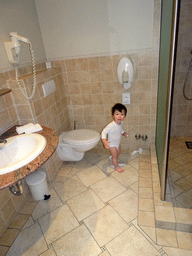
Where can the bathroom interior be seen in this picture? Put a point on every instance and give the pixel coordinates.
(79, 46)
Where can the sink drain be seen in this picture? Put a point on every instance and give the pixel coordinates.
(189, 144)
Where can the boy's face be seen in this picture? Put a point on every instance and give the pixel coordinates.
(119, 116)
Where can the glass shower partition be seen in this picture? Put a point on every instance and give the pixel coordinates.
(168, 32)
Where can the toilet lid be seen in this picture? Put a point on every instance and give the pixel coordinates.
(80, 136)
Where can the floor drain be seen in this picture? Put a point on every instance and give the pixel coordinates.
(189, 144)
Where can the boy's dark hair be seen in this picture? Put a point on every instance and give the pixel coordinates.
(119, 107)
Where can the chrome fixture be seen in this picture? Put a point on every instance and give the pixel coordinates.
(144, 137)
(16, 189)
(137, 136)
(3, 141)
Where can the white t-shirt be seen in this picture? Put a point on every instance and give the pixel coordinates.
(114, 132)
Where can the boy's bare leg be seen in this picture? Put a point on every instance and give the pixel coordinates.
(114, 153)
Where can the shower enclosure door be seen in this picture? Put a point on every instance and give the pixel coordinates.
(169, 14)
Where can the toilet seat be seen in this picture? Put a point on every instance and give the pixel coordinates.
(80, 136)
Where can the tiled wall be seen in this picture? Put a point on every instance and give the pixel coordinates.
(92, 88)
(182, 108)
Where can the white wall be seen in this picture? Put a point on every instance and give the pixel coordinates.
(79, 28)
(20, 16)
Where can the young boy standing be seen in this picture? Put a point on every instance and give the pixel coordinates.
(114, 131)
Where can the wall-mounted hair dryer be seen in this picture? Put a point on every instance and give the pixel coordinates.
(13, 48)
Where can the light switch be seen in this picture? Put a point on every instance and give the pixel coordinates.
(126, 98)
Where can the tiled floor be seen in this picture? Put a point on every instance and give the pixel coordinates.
(180, 173)
(94, 210)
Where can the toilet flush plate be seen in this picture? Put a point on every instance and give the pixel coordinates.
(126, 98)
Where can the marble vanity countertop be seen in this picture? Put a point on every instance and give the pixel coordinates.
(52, 142)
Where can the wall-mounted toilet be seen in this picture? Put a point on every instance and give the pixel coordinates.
(73, 144)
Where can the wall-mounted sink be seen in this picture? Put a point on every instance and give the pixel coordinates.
(20, 150)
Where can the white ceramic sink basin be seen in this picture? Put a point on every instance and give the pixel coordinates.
(19, 151)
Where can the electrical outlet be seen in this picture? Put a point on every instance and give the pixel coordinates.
(126, 98)
(48, 64)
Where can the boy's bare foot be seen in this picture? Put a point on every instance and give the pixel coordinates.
(119, 170)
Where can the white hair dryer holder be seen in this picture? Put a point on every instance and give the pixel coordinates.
(125, 72)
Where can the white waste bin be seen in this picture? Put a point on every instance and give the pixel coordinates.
(38, 185)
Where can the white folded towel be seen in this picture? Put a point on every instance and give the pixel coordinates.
(29, 128)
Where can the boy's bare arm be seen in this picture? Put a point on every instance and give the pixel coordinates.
(105, 143)
(125, 134)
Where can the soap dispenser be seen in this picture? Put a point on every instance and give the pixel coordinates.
(125, 72)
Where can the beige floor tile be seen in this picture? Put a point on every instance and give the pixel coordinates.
(182, 159)
(177, 190)
(150, 232)
(134, 163)
(158, 201)
(105, 166)
(174, 175)
(185, 200)
(105, 225)
(181, 151)
(105, 253)
(184, 184)
(61, 179)
(145, 166)
(153, 159)
(94, 157)
(131, 242)
(34, 244)
(146, 204)
(183, 215)
(46, 206)
(8, 237)
(164, 213)
(29, 223)
(145, 158)
(146, 219)
(172, 155)
(166, 237)
(184, 240)
(145, 174)
(155, 176)
(145, 182)
(85, 204)
(70, 188)
(126, 205)
(77, 242)
(189, 177)
(172, 164)
(187, 156)
(91, 175)
(126, 178)
(108, 188)
(57, 223)
(19, 221)
(156, 187)
(177, 252)
(28, 207)
(189, 192)
(145, 192)
(80, 166)
(135, 187)
(3, 250)
(49, 252)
